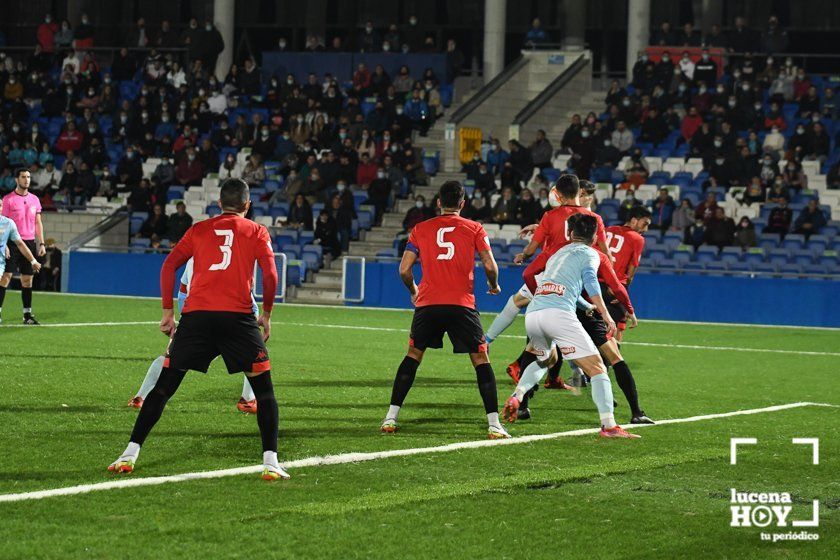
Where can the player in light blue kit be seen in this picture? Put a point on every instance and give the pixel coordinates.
(247, 402)
(551, 323)
(9, 232)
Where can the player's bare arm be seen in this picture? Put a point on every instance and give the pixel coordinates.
(407, 274)
(265, 324)
(631, 272)
(491, 269)
(39, 236)
(36, 266)
(527, 253)
(528, 230)
(167, 322)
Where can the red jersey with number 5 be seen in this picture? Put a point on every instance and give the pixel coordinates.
(446, 246)
(626, 246)
(224, 250)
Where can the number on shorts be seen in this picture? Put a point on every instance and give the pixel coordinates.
(225, 247)
(619, 242)
(448, 245)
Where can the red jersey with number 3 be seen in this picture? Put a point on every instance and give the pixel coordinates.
(224, 250)
(626, 246)
(446, 246)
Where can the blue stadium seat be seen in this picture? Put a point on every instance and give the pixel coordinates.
(731, 254)
(778, 256)
(764, 267)
(802, 256)
(306, 237)
(815, 269)
(694, 266)
(768, 241)
(754, 255)
(817, 244)
(739, 267)
(793, 241)
(717, 267)
(365, 219)
(294, 273)
(312, 261)
(790, 268)
(175, 193)
(705, 253)
(291, 251)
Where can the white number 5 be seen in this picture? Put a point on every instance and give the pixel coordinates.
(225, 248)
(448, 245)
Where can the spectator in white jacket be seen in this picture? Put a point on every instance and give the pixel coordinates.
(622, 138)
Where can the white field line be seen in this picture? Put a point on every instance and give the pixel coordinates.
(403, 310)
(281, 323)
(345, 458)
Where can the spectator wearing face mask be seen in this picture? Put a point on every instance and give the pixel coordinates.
(343, 212)
(418, 213)
(777, 193)
(476, 208)
(745, 234)
(506, 208)
(774, 142)
(485, 181)
(753, 193)
(662, 209)
(326, 234)
(794, 177)
(379, 194)
(190, 170)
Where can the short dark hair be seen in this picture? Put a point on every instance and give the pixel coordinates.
(567, 185)
(587, 186)
(234, 194)
(638, 212)
(20, 170)
(451, 194)
(583, 226)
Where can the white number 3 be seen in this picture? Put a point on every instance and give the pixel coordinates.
(225, 248)
(448, 245)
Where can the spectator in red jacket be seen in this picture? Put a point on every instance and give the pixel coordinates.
(366, 172)
(775, 118)
(690, 123)
(70, 139)
(46, 33)
(361, 79)
(190, 171)
(706, 209)
(187, 134)
(801, 83)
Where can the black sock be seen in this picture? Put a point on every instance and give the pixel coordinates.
(554, 371)
(26, 296)
(155, 402)
(2, 295)
(628, 386)
(487, 387)
(404, 380)
(526, 359)
(268, 417)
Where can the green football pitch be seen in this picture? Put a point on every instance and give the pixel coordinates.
(64, 419)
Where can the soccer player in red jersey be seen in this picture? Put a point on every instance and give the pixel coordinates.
(218, 318)
(626, 244)
(445, 303)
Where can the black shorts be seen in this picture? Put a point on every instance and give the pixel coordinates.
(617, 311)
(17, 262)
(462, 324)
(594, 326)
(203, 335)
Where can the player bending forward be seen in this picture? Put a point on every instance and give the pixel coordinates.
(247, 402)
(445, 302)
(551, 323)
(217, 319)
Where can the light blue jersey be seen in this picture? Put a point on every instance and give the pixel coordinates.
(568, 272)
(8, 232)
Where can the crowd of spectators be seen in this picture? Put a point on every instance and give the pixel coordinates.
(86, 130)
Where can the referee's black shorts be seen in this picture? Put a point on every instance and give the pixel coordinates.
(18, 262)
(594, 326)
(462, 324)
(203, 335)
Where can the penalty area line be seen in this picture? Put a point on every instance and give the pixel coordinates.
(345, 458)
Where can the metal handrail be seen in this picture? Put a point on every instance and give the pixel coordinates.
(489, 88)
(550, 90)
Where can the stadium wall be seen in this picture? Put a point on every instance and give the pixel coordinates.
(720, 299)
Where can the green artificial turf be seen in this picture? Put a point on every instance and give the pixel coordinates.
(64, 419)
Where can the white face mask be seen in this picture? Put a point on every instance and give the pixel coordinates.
(341, 187)
(419, 204)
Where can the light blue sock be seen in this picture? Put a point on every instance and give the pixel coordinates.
(151, 378)
(503, 320)
(247, 391)
(602, 395)
(530, 377)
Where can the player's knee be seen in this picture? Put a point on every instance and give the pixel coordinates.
(415, 354)
(479, 358)
(262, 386)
